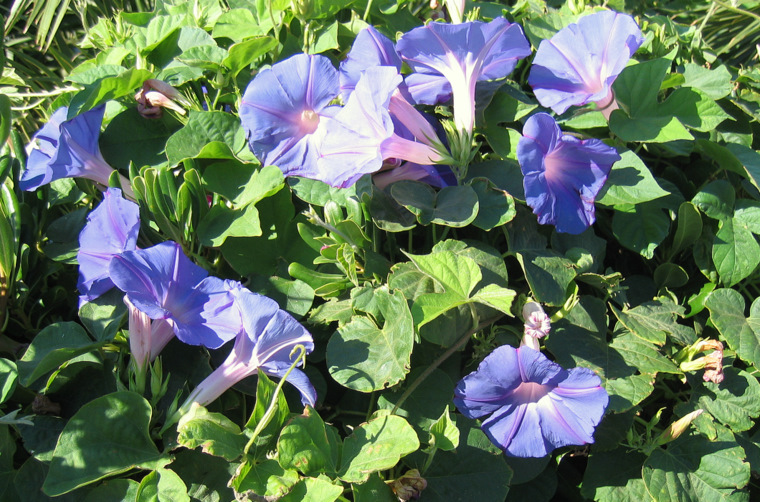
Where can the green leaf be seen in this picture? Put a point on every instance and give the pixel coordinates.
(207, 135)
(114, 490)
(496, 207)
(641, 117)
(496, 297)
(309, 445)
(318, 193)
(53, 346)
(239, 24)
(716, 200)
(365, 357)
(747, 214)
(749, 160)
(726, 308)
(162, 485)
(451, 206)
(8, 379)
(424, 406)
(444, 434)
(655, 321)
(735, 252)
(376, 446)
(457, 274)
(614, 476)
(549, 275)
(107, 89)
(642, 229)
(213, 432)
(106, 436)
(714, 82)
(313, 490)
(264, 394)
(630, 182)
(734, 402)
(222, 222)
(242, 54)
(373, 490)
(688, 228)
(266, 479)
(694, 469)
(627, 392)
(5, 118)
(642, 355)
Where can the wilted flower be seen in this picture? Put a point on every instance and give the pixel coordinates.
(111, 229)
(266, 341)
(530, 405)
(164, 284)
(562, 174)
(409, 486)
(712, 362)
(156, 95)
(449, 59)
(581, 61)
(282, 108)
(68, 149)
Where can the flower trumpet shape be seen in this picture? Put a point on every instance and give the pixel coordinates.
(282, 108)
(452, 58)
(581, 61)
(530, 405)
(68, 149)
(164, 284)
(268, 337)
(111, 229)
(562, 174)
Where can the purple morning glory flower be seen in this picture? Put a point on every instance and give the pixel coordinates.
(68, 149)
(111, 229)
(146, 337)
(282, 108)
(562, 174)
(460, 55)
(361, 135)
(164, 284)
(370, 48)
(266, 341)
(581, 61)
(529, 405)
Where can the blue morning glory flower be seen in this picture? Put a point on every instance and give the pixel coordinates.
(361, 135)
(581, 61)
(111, 229)
(282, 108)
(164, 284)
(266, 341)
(370, 48)
(68, 149)
(460, 55)
(529, 405)
(562, 174)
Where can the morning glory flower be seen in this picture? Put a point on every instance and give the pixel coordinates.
(537, 324)
(164, 284)
(68, 149)
(562, 174)
(282, 108)
(581, 61)
(111, 229)
(529, 405)
(361, 135)
(460, 55)
(266, 341)
(370, 48)
(146, 339)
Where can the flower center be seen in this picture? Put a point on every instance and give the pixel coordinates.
(309, 121)
(531, 392)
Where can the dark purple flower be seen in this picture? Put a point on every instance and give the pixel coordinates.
(460, 55)
(562, 174)
(529, 405)
(581, 61)
(164, 284)
(370, 48)
(68, 149)
(282, 108)
(266, 341)
(111, 229)
(361, 135)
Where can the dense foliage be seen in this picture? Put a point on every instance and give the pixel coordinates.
(494, 326)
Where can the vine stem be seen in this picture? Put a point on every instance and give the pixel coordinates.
(454, 348)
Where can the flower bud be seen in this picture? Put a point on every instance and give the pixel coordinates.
(156, 95)
(678, 427)
(409, 486)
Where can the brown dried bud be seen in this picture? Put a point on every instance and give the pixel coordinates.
(409, 486)
(42, 405)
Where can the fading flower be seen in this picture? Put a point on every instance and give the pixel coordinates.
(111, 229)
(712, 363)
(266, 341)
(68, 149)
(562, 174)
(581, 61)
(409, 486)
(164, 284)
(449, 59)
(529, 405)
(537, 324)
(156, 95)
(282, 108)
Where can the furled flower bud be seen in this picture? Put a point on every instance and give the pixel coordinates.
(678, 427)
(537, 324)
(156, 95)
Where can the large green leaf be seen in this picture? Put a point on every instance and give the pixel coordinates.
(642, 228)
(364, 356)
(615, 476)
(630, 182)
(735, 252)
(309, 445)
(549, 275)
(162, 485)
(213, 432)
(451, 206)
(207, 135)
(655, 321)
(734, 402)
(106, 436)
(726, 308)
